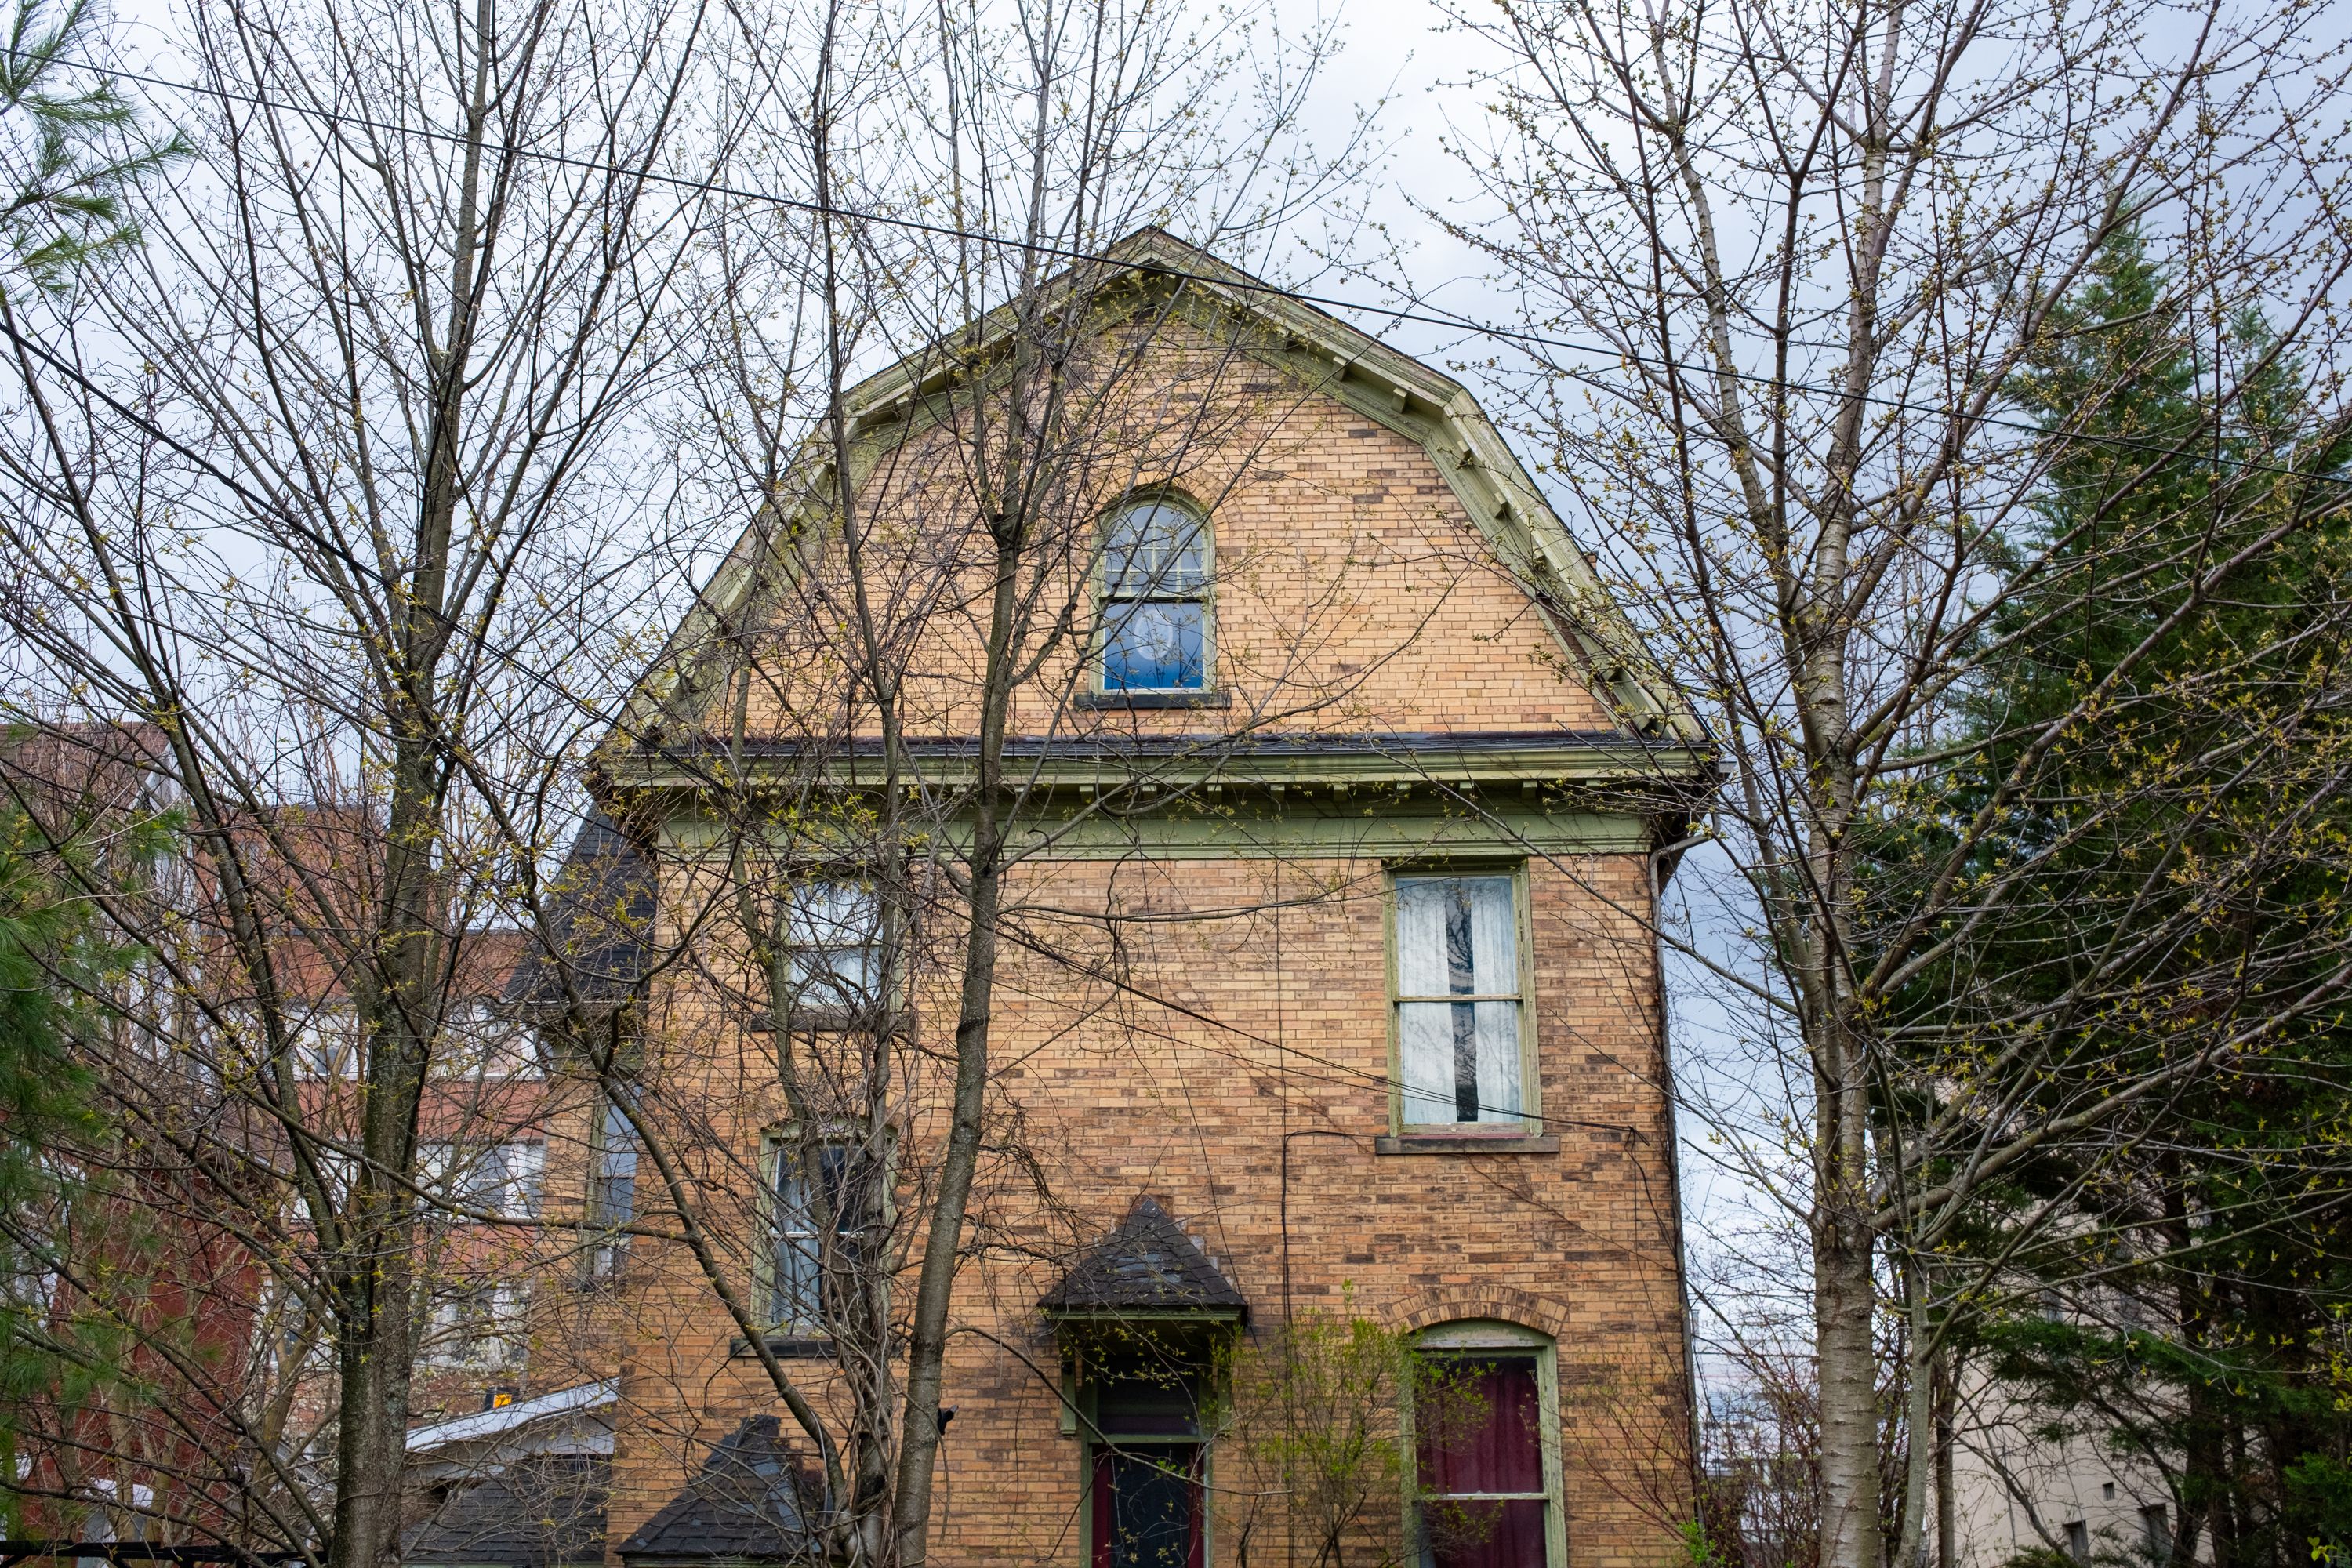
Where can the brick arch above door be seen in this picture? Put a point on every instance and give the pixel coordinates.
(1450, 1303)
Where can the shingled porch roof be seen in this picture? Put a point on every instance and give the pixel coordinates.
(747, 1506)
(1147, 1266)
(544, 1512)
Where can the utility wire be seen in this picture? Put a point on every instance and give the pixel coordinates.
(1240, 283)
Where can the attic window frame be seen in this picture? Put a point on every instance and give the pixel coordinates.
(1109, 595)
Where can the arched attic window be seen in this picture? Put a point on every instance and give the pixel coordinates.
(1156, 626)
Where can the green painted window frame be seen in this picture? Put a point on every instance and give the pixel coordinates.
(1078, 1416)
(1530, 1078)
(1209, 687)
(1469, 1337)
(775, 1143)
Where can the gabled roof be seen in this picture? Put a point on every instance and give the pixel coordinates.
(747, 1505)
(537, 1514)
(1326, 353)
(1147, 1265)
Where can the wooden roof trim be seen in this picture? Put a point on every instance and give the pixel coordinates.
(1381, 383)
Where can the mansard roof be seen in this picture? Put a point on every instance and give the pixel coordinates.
(1376, 381)
(601, 906)
(1147, 1265)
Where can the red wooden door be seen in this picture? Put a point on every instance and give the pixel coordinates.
(1482, 1479)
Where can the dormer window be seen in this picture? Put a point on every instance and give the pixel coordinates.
(1155, 599)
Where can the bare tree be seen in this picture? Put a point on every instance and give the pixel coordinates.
(1786, 266)
(348, 486)
(855, 709)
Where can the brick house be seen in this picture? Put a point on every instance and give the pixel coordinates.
(1336, 995)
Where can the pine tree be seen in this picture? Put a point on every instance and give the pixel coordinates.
(2202, 1250)
(72, 146)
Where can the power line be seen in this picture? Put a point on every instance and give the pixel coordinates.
(1240, 283)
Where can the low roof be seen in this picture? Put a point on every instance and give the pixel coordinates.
(747, 1505)
(537, 1513)
(1147, 1265)
(507, 1418)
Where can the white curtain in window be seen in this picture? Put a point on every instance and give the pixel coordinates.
(1425, 1057)
(1494, 954)
(794, 1289)
(835, 930)
(1424, 1030)
(525, 1179)
(1499, 1061)
(1457, 936)
(1421, 908)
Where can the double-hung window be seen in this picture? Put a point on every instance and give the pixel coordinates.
(834, 933)
(479, 1326)
(506, 1179)
(480, 1040)
(612, 1191)
(503, 1179)
(326, 1040)
(1155, 600)
(1460, 996)
(819, 1206)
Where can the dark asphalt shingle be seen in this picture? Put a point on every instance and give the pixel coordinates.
(1147, 1264)
(600, 905)
(544, 1513)
(748, 1503)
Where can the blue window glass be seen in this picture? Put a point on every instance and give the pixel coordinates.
(1154, 646)
(1155, 606)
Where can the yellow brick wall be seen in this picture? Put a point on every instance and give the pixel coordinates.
(1249, 1002)
(1353, 591)
(1237, 1030)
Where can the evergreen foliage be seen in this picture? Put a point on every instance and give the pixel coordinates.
(70, 145)
(2188, 1307)
(56, 968)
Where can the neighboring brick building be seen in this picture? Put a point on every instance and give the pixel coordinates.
(183, 1257)
(1349, 1005)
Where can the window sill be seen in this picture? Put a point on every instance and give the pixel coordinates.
(783, 1347)
(834, 1021)
(1469, 1144)
(1117, 699)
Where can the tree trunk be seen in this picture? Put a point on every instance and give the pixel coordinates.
(1920, 1450)
(1946, 1522)
(398, 1006)
(1848, 1360)
(926, 1341)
